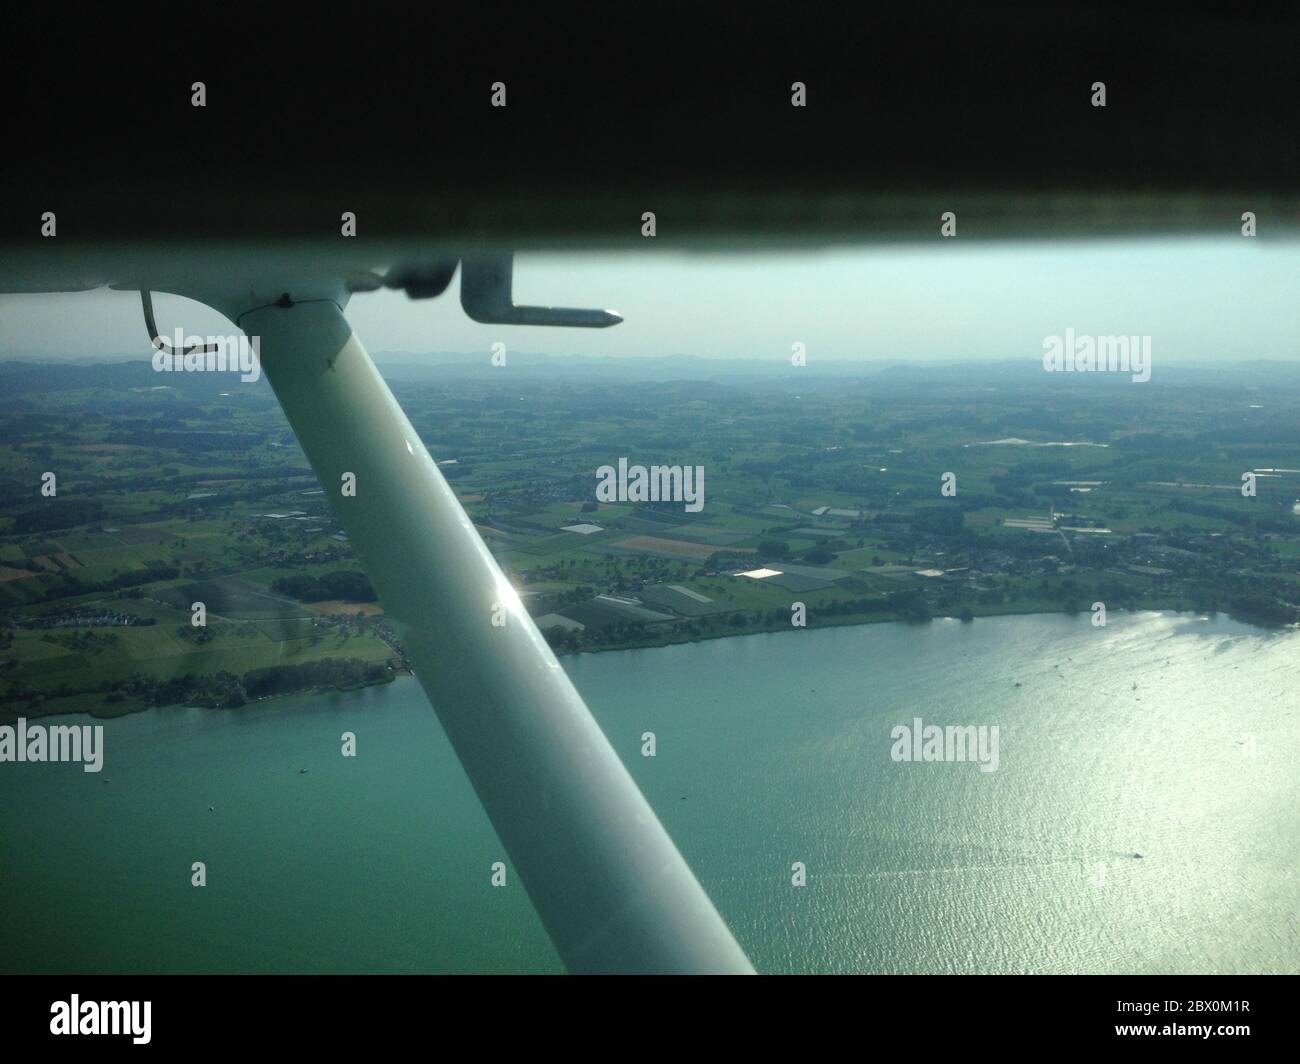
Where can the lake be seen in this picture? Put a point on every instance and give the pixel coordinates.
(1173, 736)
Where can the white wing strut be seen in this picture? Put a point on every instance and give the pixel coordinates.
(610, 886)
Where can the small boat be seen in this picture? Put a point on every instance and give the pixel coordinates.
(302, 772)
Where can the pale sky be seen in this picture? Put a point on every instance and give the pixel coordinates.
(1199, 300)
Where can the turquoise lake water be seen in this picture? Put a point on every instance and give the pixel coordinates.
(771, 749)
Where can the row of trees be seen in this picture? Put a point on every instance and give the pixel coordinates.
(223, 690)
(909, 604)
(346, 585)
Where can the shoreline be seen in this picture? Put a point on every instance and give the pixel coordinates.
(853, 621)
(648, 644)
(7, 718)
